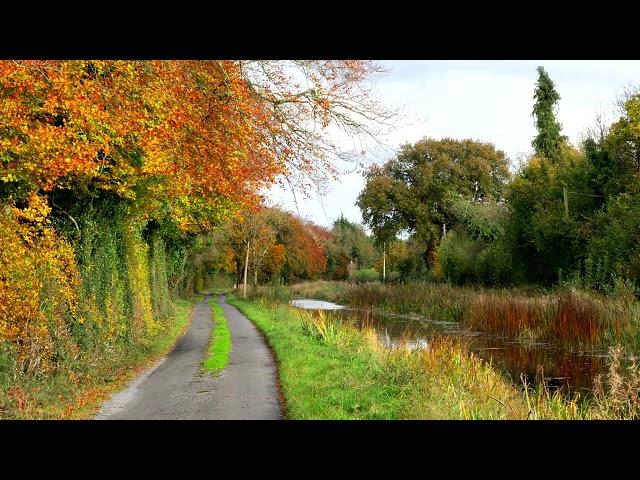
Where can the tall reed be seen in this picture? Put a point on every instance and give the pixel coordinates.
(564, 316)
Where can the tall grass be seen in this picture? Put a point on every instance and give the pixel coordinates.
(565, 316)
(617, 393)
(78, 393)
(331, 370)
(321, 327)
(504, 315)
(438, 301)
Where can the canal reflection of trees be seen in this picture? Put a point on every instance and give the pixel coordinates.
(558, 368)
(571, 371)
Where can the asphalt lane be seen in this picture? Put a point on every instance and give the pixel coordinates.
(176, 388)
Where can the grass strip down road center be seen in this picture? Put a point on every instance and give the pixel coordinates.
(220, 345)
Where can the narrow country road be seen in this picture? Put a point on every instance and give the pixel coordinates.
(177, 389)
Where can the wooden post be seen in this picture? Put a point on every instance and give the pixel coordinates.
(384, 261)
(566, 201)
(246, 267)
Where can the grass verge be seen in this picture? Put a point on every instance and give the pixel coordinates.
(330, 370)
(220, 346)
(78, 393)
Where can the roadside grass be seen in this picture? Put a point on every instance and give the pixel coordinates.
(77, 391)
(220, 346)
(330, 370)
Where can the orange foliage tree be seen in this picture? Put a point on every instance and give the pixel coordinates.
(280, 244)
(304, 244)
(190, 133)
(181, 135)
(187, 143)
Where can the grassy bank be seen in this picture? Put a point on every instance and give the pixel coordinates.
(220, 346)
(332, 371)
(78, 391)
(564, 316)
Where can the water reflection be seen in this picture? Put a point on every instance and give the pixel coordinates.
(562, 368)
(308, 304)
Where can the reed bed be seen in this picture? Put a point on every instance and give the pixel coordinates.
(508, 316)
(564, 316)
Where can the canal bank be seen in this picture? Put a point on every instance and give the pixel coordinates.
(333, 370)
(569, 370)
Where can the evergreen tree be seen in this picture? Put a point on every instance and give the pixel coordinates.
(548, 140)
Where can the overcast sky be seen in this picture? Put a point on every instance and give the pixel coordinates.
(489, 101)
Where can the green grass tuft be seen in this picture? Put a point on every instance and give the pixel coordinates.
(220, 346)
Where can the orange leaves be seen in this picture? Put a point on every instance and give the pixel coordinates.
(16, 394)
(305, 252)
(80, 121)
(274, 259)
(37, 210)
(211, 129)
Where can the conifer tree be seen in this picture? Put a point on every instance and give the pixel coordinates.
(548, 140)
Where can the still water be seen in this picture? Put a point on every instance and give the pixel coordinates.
(571, 370)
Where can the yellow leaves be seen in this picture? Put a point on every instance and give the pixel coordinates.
(37, 210)
(37, 279)
(198, 127)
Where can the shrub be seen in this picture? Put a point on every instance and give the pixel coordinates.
(617, 393)
(278, 293)
(321, 327)
(38, 280)
(366, 275)
(494, 266)
(392, 277)
(456, 256)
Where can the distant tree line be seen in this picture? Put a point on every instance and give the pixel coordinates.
(451, 210)
(569, 214)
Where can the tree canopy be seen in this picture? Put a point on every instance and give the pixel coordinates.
(413, 192)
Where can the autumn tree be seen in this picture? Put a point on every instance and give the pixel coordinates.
(130, 162)
(273, 262)
(323, 113)
(304, 242)
(279, 244)
(267, 225)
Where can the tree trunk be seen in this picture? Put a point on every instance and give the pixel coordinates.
(246, 267)
(255, 278)
(238, 273)
(384, 262)
(429, 255)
